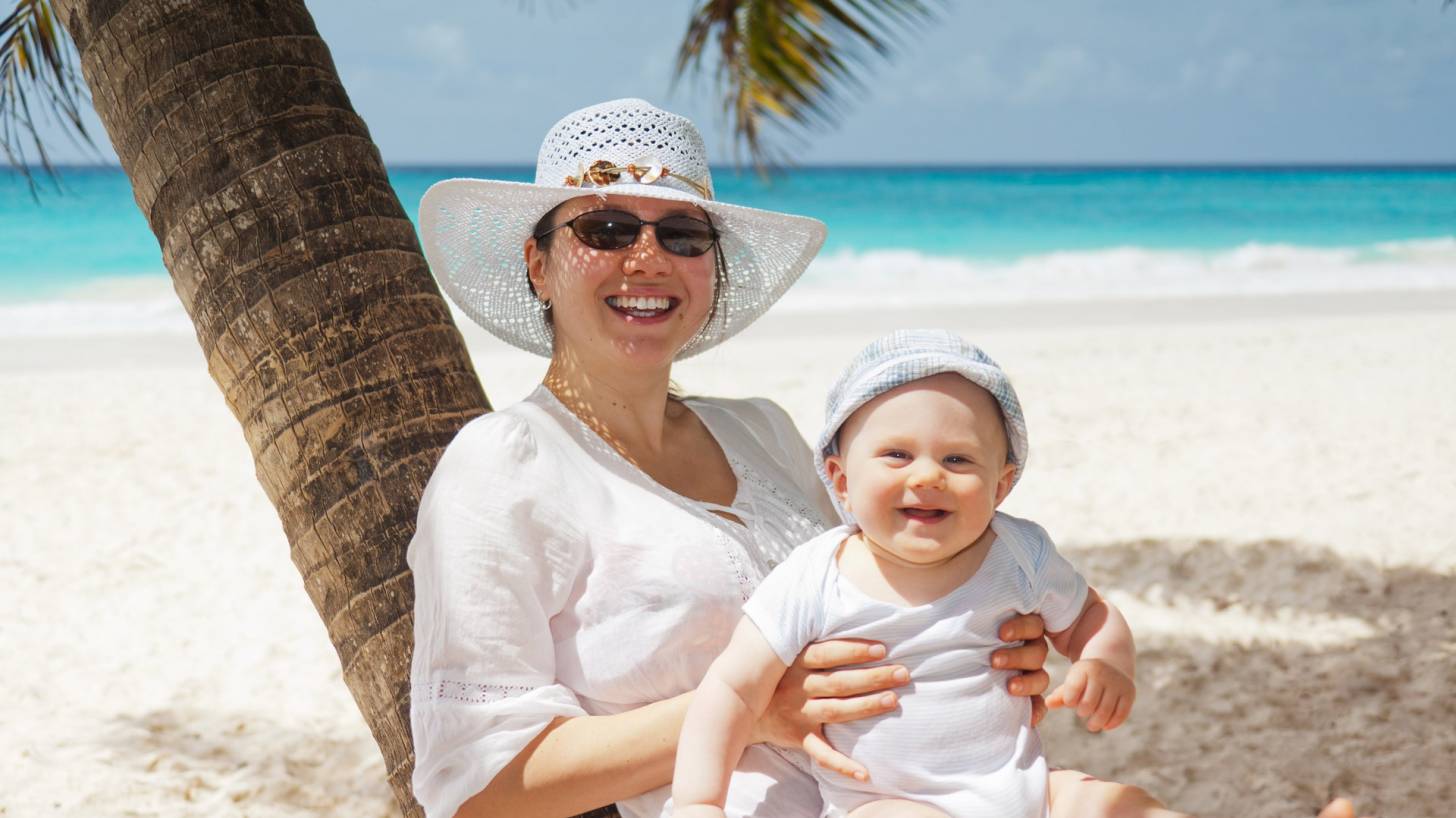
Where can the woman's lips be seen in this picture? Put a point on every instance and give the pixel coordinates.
(643, 309)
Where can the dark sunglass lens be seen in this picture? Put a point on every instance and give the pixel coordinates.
(685, 235)
(607, 229)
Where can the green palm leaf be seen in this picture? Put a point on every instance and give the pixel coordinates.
(37, 60)
(795, 64)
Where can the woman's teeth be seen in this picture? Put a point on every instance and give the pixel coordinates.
(641, 306)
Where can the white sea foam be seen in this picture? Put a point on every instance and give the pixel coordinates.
(907, 278)
(132, 305)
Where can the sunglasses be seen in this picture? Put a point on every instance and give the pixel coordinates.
(618, 229)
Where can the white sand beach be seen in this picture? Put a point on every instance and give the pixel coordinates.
(1266, 486)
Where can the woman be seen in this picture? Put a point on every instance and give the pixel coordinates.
(581, 557)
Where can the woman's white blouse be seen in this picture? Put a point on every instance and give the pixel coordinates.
(554, 578)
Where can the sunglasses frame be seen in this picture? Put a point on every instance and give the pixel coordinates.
(571, 222)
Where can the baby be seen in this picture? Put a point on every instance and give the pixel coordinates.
(924, 438)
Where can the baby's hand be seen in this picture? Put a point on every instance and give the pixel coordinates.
(1101, 693)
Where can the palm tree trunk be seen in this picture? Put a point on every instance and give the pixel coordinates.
(315, 310)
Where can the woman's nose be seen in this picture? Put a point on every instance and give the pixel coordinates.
(645, 256)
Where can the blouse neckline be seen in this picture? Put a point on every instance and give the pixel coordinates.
(740, 485)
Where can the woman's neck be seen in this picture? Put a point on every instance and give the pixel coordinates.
(627, 409)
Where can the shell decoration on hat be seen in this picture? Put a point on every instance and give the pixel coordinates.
(603, 172)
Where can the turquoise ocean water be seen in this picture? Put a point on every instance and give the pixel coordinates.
(913, 233)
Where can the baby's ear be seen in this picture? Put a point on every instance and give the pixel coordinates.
(1003, 486)
(838, 480)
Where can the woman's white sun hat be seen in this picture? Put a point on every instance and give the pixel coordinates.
(474, 230)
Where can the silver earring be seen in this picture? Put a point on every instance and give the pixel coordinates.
(545, 304)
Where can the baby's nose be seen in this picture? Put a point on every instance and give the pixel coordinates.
(926, 473)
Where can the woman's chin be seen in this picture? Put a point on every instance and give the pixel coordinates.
(648, 352)
(651, 344)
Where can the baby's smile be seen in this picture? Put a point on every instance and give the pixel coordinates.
(924, 514)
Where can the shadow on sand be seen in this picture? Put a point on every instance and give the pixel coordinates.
(1242, 725)
(1275, 722)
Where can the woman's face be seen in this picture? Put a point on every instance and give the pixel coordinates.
(634, 307)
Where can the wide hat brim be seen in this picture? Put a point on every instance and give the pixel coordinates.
(474, 232)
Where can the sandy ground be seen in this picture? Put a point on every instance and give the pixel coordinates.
(1266, 487)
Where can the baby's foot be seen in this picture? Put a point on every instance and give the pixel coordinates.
(1338, 808)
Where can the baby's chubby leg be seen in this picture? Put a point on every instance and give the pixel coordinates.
(896, 808)
(1077, 795)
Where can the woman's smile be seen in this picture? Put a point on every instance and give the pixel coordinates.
(643, 309)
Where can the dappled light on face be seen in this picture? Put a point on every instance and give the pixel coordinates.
(582, 282)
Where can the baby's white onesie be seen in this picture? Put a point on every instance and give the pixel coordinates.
(958, 740)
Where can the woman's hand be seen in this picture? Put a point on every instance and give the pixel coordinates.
(812, 694)
(1028, 658)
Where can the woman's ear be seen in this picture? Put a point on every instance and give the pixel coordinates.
(838, 479)
(536, 268)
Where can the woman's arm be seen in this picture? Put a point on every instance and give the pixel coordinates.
(577, 764)
(582, 763)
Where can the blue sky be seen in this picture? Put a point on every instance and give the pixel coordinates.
(991, 81)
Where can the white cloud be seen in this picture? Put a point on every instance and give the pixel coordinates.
(1069, 73)
(1232, 69)
(440, 44)
(1061, 72)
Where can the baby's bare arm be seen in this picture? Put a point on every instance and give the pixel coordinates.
(719, 722)
(1100, 682)
(1099, 632)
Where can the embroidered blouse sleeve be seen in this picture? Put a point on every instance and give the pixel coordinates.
(492, 563)
(797, 457)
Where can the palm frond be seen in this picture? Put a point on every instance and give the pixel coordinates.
(794, 64)
(37, 60)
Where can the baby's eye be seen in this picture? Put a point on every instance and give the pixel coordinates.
(896, 454)
(958, 460)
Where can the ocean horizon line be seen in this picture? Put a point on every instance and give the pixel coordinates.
(731, 167)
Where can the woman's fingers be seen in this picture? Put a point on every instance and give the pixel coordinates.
(841, 683)
(838, 652)
(1030, 684)
(1038, 710)
(1030, 656)
(1023, 628)
(830, 758)
(835, 711)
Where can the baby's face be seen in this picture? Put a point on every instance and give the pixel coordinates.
(923, 467)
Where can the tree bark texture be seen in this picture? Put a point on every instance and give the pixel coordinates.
(312, 302)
